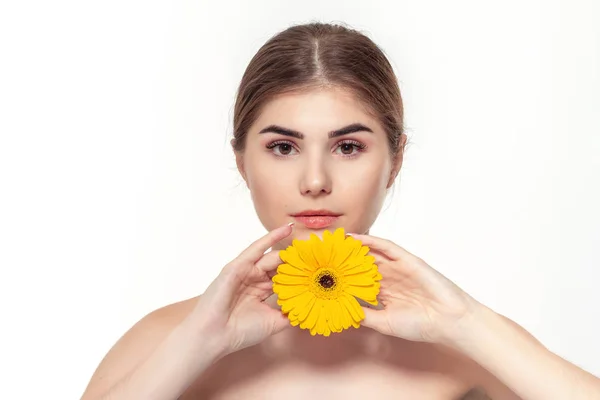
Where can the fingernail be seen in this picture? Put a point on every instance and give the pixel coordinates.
(349, 234)
(291, 224)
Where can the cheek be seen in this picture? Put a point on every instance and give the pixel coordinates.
(366, 181)
(270, 188)
(364, 189)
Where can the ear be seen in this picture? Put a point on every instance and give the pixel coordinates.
(397, 162)
(239, 161)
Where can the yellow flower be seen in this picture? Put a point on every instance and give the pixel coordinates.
(319, 281)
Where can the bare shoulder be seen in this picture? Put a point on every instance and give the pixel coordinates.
(484, 385)
(481, 384)
(135, 345)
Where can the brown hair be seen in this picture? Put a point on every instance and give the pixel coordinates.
(314, 55)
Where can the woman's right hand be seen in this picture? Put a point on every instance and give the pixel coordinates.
(232, 311)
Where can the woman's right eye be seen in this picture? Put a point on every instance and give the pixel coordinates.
(281, 149)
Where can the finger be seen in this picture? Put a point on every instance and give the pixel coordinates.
(256, 250)
(271, 273)
(269, 262)
(380, 258)
(376, 319)
(279, 321)
(384, 246)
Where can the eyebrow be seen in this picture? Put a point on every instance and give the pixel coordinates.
(356, 127)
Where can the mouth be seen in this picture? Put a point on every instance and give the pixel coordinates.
(316, 219)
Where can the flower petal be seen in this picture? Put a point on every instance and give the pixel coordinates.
(294, 304)
(322, 320)
(290, 279)
(368, 294)
(359, 268)
(291, 270)
(285, 292)
(313, 316)
(353, 307)
(305, 253)
(342, 252)
(363, 251)
(355, 258)
(345, 315)
(364, 279)
(304, 311)
(328, 311)
(328, 247)
(336, 316)
(339, 236)
(292, 257)
(318, 251)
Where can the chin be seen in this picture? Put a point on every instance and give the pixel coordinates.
(302, 232)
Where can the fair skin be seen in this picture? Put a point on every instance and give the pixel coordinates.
(431, 340)
(317, 172)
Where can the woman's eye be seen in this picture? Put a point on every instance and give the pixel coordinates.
(350, 148)
(285, 148)
(347, 148)
(281, 148)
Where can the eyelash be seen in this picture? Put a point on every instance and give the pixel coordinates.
(360, 147)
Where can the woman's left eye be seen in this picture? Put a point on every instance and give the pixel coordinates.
(349, 148)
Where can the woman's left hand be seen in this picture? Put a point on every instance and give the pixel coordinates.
(419, 303)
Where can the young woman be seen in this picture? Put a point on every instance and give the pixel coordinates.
(319, 140)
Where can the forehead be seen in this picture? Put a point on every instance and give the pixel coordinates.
(315, 110)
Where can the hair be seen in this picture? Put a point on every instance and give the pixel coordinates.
(320, 55)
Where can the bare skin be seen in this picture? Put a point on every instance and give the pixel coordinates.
(179, 348)
(358, 363)
(292, 364)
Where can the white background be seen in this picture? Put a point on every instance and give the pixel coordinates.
(119, 192)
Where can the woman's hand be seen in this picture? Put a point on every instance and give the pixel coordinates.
(232, 311)
(419, 303)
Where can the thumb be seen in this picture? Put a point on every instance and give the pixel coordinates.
(376, 319)
(278, 321)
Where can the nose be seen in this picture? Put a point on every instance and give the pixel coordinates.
(316, 179)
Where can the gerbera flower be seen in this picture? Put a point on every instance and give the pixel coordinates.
(319, 282)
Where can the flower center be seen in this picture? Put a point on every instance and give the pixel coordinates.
(326, 281)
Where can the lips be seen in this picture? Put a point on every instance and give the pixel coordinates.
(316, 219)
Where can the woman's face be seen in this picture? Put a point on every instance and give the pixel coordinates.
(296, 163)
